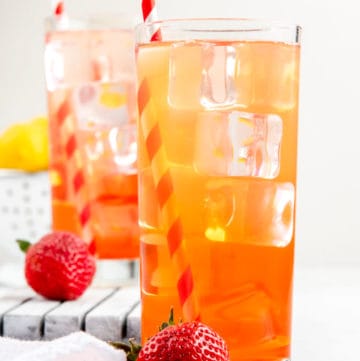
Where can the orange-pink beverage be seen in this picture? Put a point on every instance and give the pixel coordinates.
(90, 76)
(228, 114)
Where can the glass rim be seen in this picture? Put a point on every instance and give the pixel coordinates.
(219, 25)
(91, 21)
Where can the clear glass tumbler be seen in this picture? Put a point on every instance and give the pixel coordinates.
(90, 78)
(217, 153)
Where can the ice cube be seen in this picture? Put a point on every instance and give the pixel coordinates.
(238, 143)
(267, 76)
(242, 210)
(122, 141)
(97, 105)
(219, 206)
(110, 149)
(54, 66)
(185, 68)
(201, 74)
(269, 213)
(112, 55)
(218, 86)
(67, 60)
(106, 134)
(286, 98)
(248, 306)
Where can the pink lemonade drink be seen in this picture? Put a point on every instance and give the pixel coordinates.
(90, 76)
(224, 96)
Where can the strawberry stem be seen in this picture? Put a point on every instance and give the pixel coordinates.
(170, 322)
(23, 245)
(171, 317)
(131, 349)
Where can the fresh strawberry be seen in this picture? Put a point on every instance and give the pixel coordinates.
(185, 342)
(59, 266)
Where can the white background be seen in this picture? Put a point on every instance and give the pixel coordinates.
(329, 144)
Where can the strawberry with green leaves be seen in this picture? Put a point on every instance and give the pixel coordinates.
(189, 341)
(59, 266)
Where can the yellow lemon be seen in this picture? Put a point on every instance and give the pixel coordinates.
(8, 146)
(25, 146)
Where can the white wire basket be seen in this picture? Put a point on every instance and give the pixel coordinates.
(25, 213)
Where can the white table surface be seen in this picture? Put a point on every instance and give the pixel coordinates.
(326, 318)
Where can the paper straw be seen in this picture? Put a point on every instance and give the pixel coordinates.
(66, 124)
(57, 7)
(150, 15)
(165, 192)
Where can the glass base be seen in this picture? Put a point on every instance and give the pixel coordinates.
(116, 273)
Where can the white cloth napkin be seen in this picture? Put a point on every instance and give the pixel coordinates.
(77, 346)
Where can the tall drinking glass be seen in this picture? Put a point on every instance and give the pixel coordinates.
(217, 151)
(90, 78)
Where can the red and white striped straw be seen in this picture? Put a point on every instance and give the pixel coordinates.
(75, 175)
(150, 15)
(57, 7)
(164, 187)
(76, 181)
